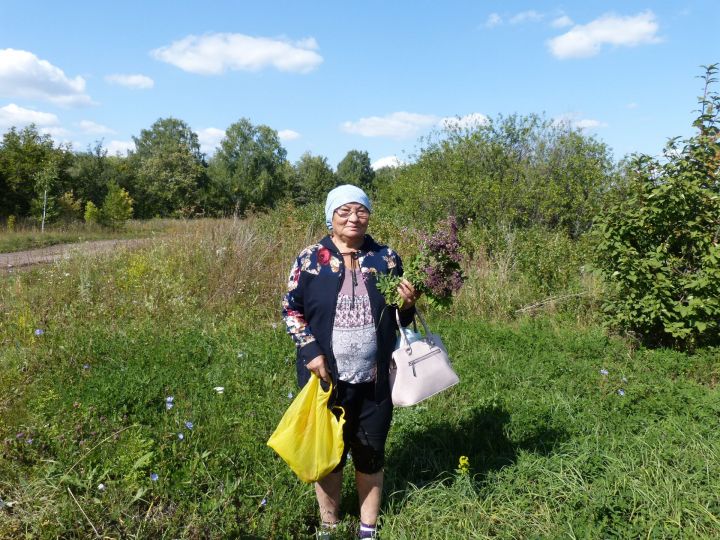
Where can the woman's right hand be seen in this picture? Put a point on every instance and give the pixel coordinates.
(319, 367)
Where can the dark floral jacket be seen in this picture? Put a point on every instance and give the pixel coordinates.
(309, 305)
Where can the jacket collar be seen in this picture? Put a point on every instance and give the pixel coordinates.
(369, 244)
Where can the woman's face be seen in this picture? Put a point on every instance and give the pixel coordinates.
(350, 222)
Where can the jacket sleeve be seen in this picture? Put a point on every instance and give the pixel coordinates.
(294, 316)
(407, 316)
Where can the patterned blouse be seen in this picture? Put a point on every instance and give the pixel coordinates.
(354, 341)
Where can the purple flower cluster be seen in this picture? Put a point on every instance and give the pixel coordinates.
(441, 254)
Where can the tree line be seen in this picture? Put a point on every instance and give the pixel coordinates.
(167, 174)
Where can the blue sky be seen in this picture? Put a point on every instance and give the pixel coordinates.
(332, 76)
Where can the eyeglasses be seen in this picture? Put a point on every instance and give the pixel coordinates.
(345, 213)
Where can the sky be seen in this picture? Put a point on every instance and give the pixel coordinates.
(333, 76)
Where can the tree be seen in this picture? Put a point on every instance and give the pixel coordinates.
(659, 247)
(520, 171)
(117, 207)
(313, 179)
(169, 170)
(91, 172)
(248, 169)
(24, 154)
(355, 169)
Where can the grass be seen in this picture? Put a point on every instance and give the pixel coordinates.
(28, 236)
(554, 450)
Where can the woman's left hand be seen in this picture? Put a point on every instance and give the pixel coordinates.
(408, 294)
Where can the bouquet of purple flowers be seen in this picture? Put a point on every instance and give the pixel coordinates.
(434, 271)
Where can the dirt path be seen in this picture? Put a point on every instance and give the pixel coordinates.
(26, 259)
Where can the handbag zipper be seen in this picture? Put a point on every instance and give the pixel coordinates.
(412, 363)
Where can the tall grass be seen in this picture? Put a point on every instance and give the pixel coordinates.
(554, 449)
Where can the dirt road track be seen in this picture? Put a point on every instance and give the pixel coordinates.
(30, 258)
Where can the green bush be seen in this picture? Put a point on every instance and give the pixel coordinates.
(659, 248)
(117, 207)
(523, 171)
(92, 213)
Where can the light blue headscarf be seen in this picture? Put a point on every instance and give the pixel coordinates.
(342, 195)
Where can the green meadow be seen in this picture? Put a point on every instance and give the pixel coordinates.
(138, 388)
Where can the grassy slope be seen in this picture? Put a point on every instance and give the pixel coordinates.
(554, 450)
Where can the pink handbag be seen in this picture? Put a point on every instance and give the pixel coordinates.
(419, 369)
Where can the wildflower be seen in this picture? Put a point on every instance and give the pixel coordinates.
(169, 402)
(621, 392)
(263, 502)
(181, 436)
(20, 435)
(101, 487)
(154, 477)
(603, 371)
(188, 424)
(434, 271)
(290, 395)
(219, 389)
(39, 331)
(86, 366)
(241, 354)
(29, 441)
(464, 465)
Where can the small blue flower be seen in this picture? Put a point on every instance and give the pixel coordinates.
(621, 392)
(189, 424)
(181, 436)
(263, 502)
(603, 371)
(154, 477)
(86, 366)
(168, 405)
(29, 441)
(290, 395)
(39, 331)
(169, 399)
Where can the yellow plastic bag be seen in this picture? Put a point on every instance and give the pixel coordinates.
(309, 436)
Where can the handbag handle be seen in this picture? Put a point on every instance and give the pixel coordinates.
(403, 339)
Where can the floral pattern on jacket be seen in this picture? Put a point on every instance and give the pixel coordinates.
(315, 260)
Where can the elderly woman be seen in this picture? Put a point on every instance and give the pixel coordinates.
(345, 333)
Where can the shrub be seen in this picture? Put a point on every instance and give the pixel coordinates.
(68, 207)
(11, 223)
(92, 213)
(659, 248)
(117, 207)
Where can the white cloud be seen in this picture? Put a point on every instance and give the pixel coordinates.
(526, 16)
(288, 135)
(586, 40)
(572, 120)
(56, 132)
(136, 81)
(397, 125)
(387, 161)
(561, 22)
(13, 115)
(209, 139)
(88, 126)
(493, 20)
(588, 123)
(468, 121)
(120, 147)
(213, 54)
(22, 74)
